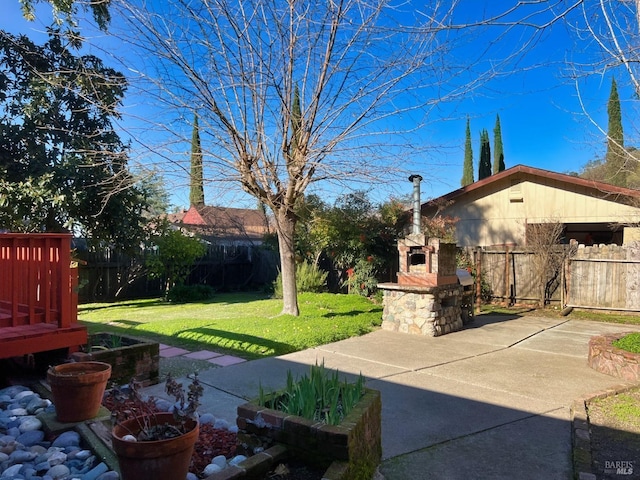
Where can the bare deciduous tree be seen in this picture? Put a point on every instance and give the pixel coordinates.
(548, 256)
(289, 93)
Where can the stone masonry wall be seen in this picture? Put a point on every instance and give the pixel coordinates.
(606, 358)
(430, 311)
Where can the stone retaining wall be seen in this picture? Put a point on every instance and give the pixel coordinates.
(606, 358)
(430, 311)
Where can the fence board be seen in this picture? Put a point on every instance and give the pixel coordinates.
(601, 277)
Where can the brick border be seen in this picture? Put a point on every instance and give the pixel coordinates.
(581, 431)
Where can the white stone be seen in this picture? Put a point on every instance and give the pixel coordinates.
(211, 469)
(57, 458)
(22, 394)
(237, 459)
(30, 423)
(129, 438)
(58, 472)
(12, 471)
(220, 460)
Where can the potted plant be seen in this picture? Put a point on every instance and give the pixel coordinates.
(77, 389)
(157, 445)
(325, 421)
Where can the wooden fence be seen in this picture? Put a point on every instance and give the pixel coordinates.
(604, 277)
(599, 277)
(106, 276)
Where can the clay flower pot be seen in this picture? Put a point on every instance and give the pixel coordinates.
(77, 389)
(166, 459)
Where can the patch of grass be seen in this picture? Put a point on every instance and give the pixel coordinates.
(556, 311)
(622, 407)
(247, 325)
(630, 343)
(609, 317)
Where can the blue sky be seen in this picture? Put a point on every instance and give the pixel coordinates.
(543, 123)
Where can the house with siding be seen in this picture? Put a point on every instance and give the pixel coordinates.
(496, 210)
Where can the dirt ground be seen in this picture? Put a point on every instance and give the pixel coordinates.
(615, 436)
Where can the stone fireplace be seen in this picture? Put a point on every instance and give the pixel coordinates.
(427, 298)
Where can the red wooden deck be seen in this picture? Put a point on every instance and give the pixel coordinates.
(38, 297)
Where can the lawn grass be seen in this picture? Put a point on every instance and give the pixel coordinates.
(248, 325)
(556, 312)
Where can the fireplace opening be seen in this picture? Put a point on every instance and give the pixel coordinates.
(417, 259)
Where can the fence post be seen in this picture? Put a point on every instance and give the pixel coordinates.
(478, 280)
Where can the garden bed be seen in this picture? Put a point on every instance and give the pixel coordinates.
(351, 449)
(606, 358)
(130, 358)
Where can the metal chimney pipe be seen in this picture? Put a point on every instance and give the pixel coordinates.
(417, 214)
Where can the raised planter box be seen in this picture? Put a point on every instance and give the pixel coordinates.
(355, 445)
(130, 358)
(606, 358)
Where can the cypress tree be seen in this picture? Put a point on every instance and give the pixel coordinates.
(467, 169)
(196, 194)
(615, 156)
(498, 153)
(484, 166)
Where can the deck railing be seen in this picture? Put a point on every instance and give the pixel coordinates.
(37, 283)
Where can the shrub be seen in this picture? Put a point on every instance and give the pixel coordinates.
(362, 279)
(309, 278)
(190, 293)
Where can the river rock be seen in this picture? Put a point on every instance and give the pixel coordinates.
(30, 438)
(21, 456)
(29, 423)
(12, 471)
(206, 419)
(58, 472)
(20, 395)
(56, 458)
(111, 475)
(67, 439)
(211, 469)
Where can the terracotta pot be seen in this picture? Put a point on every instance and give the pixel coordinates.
(160, 459)
(78, 389)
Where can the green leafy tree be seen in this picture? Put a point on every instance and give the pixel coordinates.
(58, 148)
(65, 11)
(615, 157)
(467, 172)
(358, 237)
(498, 151)
(174, 257)
(196, 194)
(484, 166)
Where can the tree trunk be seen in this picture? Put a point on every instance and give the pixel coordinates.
(286, 224)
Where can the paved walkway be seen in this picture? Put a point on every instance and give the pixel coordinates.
(489, 402)
(216, 358)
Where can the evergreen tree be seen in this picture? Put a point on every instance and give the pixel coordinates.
(498, 153)
(484, 166)
(615, 156)
(196, 194)
(467, 171)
